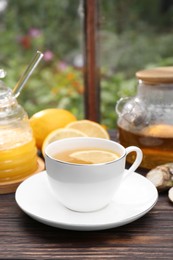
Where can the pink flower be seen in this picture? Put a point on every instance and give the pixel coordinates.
(48, 55)
(34, 32)
(62, 66)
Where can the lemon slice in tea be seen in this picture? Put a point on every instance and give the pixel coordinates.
(94, 156)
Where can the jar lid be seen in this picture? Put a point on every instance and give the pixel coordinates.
(156, 75)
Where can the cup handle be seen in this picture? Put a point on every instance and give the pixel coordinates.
(137, 161)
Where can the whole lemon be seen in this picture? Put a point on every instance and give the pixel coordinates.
(48, 120)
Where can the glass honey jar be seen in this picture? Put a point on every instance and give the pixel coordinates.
(18, 153)
(146, 120)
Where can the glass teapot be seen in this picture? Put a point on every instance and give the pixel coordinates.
(18, 153)
(146, 120)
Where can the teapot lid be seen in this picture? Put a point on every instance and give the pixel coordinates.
(156, 75)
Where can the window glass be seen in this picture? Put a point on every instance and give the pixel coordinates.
(133, 35)
(53, 27)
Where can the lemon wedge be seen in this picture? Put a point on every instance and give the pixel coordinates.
(59, 134)
(89, 128)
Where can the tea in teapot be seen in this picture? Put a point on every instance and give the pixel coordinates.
(146, 120)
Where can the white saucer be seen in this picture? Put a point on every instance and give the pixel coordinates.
(136, 197)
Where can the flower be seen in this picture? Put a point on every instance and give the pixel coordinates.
(25, 41)
(61, 66)
(70, 76)
(34, 32)
(48, 55)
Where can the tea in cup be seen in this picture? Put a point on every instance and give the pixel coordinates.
(84, 173)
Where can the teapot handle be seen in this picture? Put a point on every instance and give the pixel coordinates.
(134, 111)
(121, 103)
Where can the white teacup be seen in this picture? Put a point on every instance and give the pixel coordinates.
(87, 187)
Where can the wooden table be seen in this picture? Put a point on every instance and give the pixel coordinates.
(150, 237)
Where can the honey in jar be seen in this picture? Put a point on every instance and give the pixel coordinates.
(18, 153)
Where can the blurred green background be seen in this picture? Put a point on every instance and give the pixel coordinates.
(133, 35)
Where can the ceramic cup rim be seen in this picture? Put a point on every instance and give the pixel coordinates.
(72, 139)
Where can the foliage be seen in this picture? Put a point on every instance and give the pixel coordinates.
(55, 20)
(120, 87)
(59, 85)
(141, 16)
(43, 25)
